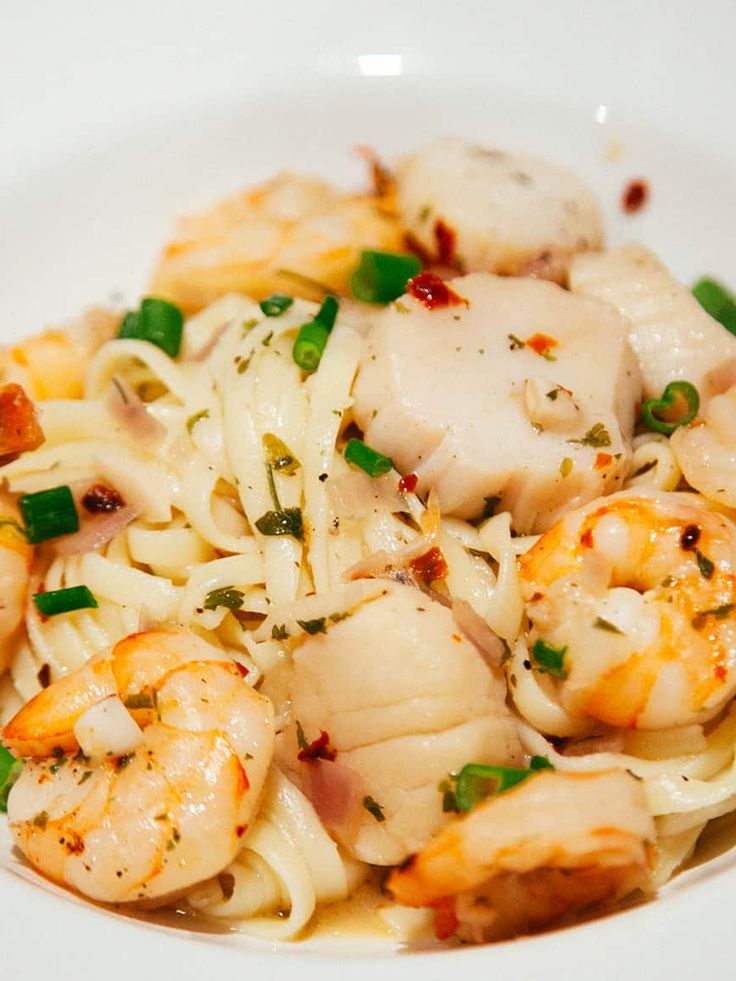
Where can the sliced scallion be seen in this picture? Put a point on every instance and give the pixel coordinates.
(375, 464)
(549, 660)
(275, 305)
(382, 276)
(678, 404)
(49, 514)
(156, 321)
(476, 781)
(64, 600)
(719, 302)
(10, 769)
(311, 340)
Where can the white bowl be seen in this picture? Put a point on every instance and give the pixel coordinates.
(118, 117)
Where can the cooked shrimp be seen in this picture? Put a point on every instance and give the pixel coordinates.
(160, 793)
(555, 845)
(255, 242)
(487, 210)
(632, 601)
(52, 365)
(706, 450)
(16, 557)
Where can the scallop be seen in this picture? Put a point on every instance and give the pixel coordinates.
(518, 392)
(491, 210)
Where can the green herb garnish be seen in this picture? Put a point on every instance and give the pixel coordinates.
(156, 321)
(49, 514)
(311, 340)
(677, 407)
(549, 660)
(225, 596)
(477, 781)
(375, 464)
(278, 455)
(194, 419)
(317, 626)
(382, 276)
(64, 601)
(10, 769)
(275, 305)
(374, 808)
(596, 436)
(287, 521)
(718, 301)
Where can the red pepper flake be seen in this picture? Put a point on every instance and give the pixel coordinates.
(445, 918)
(431, 566)
(720, 672)
(541, 344)
(586, 539)
(408, 484)
(100, 499)
(446, 238)
(635, 196)
(241, 829)
(318, 749)
(413, 245)
(433, 292)
(19, 427)
(242, 669)
(536, 597)
(602, 460)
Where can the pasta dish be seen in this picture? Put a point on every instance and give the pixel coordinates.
(384, 554)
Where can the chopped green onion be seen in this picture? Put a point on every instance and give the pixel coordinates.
(672, 397)
(375, 464)
(287, 521)
(382, 276)
(274, 306)
(10, 769)
(49, 514)
(311, 340)
(309, 345)
(476, 781)
(327, 313)
(719, 302)
(549, 660)
(156, 321)
(64, 601)
(226, 596)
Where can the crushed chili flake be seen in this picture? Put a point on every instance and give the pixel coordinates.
(19, 427)
(413, 245)
(720, 672)
(602, 460)
(384, 183)
(586, 539)
(242, 669)
(408, 484)
(101, 499)
(433, 292)
(635, 195)
(318, 749)
(445, 919)
(241, 829)
(431, 566)
(445, 237)
(541, 344)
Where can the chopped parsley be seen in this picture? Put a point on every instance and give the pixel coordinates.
(226, 596)
(374, 808)
(596, 436)
(602, 624)
(317, 626)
